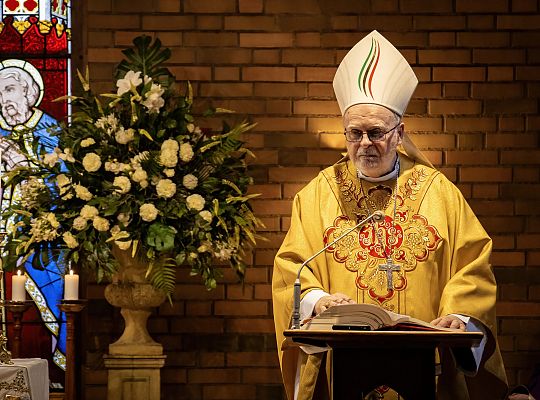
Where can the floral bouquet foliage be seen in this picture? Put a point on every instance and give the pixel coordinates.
(132, 170)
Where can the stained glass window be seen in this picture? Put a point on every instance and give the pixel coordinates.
(35, 51)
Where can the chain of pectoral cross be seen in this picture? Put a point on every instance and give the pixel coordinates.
(389, 267)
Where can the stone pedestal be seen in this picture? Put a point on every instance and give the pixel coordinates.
(134, 377)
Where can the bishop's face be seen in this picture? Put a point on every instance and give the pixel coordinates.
(373, 158)
(13, 102)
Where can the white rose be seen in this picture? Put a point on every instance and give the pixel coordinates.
(206, 215)
(83, 193)
(123, 183)
(91, 162)
(101, 224)
(169, 172)
(144, 184)
(87, 142)
(123, 219)
(190, 181)
(131, 78)
(89, 212)
(125, 136)
(139, 175)
(170, 144)
(148, 212)
(70, 240)
(79, 223)
(186, 152)
(166, 188)
(112, 166)
(168, 158)
(195, 202)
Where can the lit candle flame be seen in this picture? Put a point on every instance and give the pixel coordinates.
(19, 272)
(71, 272)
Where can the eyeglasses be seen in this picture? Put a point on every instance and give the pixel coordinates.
(374, 135)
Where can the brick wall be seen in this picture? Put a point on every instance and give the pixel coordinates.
(474, 113)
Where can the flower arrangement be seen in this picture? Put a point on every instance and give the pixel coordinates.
(133, 170)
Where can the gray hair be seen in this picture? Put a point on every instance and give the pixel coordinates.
(26, 81)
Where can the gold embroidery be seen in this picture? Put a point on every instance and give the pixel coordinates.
(410, 235)
(414, 183)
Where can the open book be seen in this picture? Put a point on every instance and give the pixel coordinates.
(368, 317)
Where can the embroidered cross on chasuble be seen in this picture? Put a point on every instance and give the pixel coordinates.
(382, 254)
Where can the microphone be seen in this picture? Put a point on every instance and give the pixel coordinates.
(376, 216)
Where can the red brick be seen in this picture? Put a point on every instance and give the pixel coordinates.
(227, 73)
(209, 22)
(433, 141)
(485, 191)
(250, 23)
(504, 225)
(210, 39)
(506, 140)
(500, 74)
(480, 174)
(342, 22)
(446, 107)
(496, 90)
(252, 359)
(292, 174)
(191, 73)
(498, 56)
(261, 375)
(519, 6)
(503, 242)
(263, 292)
(493, 6)
(209, 6)
(199, 308)
(327, 125)
(214, 375)
(526, 174)
(426, 6)
(168, 22)
(414, 124)
(471, 124)
(517, 22)
(381, 22)
(226, 89)
(323, 157)
(229, 392)
(271, 207)
(308, 56)
(278, 107)
(316, 107)
(520, 157)
(266, 39)
(250, 325)
(267, 191)
(212, 359)
(518, 309)
(442, 39)
(268, 74)
(316, 74)
(507, 259)
(442, 22)
(101, 54)
(114, 22)
(459, 74)
(460, 157)
(496, 208)
(250, 6)
(307, 39)
(196, 325)
(483, 39)
(225, 56)
(281, 124)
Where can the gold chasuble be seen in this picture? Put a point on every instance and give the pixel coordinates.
(429, 232)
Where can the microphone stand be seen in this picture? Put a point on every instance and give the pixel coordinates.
(376, 216)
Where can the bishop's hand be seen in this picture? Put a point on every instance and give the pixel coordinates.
(449, 321)
(335, 299)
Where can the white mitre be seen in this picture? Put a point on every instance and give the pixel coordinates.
(374, 72)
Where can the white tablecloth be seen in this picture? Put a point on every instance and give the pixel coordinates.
(27, 378)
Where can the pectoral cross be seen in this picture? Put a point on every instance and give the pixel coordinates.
(389, 267)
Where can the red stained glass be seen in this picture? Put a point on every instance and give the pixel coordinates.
(33, 41)
(30, 5)
(12, 5)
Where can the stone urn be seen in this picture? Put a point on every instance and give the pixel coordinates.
(131, 292)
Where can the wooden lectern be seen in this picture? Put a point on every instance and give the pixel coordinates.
(365, 360)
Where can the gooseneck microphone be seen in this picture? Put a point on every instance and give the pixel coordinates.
(376, 216)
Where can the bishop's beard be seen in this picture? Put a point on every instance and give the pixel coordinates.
(16, 113)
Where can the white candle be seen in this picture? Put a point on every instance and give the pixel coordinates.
(71, 286)
(18, 293)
